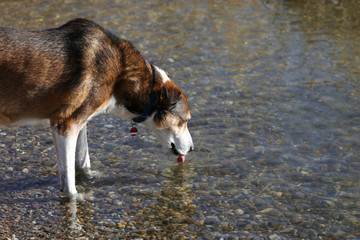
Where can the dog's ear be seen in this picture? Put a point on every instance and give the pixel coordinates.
(169, 96)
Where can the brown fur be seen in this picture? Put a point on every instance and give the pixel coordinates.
(66, 74)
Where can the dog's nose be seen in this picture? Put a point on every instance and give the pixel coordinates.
(191, 149)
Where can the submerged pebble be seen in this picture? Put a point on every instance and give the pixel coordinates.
(239, 211)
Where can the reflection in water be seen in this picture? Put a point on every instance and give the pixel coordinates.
(172, 213)
(73, 225)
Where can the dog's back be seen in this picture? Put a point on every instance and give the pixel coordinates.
(29, 64)
(42, 71)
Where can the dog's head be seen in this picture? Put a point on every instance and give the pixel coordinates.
(170, 116)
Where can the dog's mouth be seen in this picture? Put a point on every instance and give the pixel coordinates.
(173, 149)
(181, 158)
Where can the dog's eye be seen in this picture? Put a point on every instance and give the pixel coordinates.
(161, 115)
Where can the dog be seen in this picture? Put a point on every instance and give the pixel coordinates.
(69, 74)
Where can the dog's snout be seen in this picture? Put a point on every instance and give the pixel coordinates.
(177, 152)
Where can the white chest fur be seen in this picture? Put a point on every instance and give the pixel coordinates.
(112, 107)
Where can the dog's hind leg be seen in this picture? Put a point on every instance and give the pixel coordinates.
(82, 158)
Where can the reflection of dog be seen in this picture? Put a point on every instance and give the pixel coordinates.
(71, 73)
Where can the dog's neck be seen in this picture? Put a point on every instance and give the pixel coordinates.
(152, 98)
(135, 82)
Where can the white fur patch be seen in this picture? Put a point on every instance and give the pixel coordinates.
(163, 75)
(108, 107)
(112, 107)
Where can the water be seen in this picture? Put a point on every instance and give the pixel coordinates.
(274, 93)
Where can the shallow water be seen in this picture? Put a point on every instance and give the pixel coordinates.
(274, 93)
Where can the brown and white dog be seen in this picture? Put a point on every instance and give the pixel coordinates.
(72, 73)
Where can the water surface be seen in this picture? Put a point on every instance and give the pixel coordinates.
(274, 93)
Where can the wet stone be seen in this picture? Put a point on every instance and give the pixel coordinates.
(298, 195)
(239, 211)
(272, 212)
(260, 202)
(212, 220)
(276, 194)
(323, 203)
(276, 237)
(351, 220)
(216, 193)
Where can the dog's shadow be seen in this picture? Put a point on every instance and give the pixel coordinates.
(32, 183)
(27, 183)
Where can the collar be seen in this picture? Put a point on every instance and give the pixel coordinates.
(145, 113)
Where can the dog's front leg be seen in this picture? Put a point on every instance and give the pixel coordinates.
(82, 158)
(65, 148)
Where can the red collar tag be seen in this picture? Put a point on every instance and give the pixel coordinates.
(133, 130)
